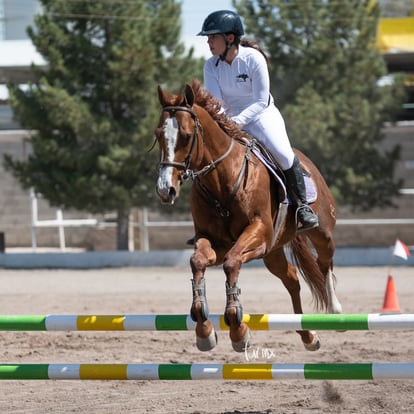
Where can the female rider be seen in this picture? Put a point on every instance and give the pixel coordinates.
(237, 75)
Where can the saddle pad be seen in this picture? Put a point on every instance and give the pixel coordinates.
(311, 193)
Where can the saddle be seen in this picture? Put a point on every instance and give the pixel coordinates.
(277, 173)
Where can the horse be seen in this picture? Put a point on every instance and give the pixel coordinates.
(240, 213)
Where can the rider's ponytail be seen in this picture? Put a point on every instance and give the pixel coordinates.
(254, 45)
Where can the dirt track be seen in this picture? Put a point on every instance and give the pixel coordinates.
(164, 290)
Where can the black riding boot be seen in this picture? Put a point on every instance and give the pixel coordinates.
(295, 184)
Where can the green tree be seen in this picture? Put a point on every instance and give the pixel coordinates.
(94, 107)
(325, 73)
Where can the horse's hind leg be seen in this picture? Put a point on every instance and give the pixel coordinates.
(277, 264)
(334, 305)
(203, 256)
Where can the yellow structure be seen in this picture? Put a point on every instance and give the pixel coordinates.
(396, 35)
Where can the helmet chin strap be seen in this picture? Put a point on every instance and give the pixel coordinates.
(228, 46)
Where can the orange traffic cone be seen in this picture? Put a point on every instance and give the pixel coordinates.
(391, 304)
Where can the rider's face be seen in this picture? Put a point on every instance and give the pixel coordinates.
(217, 44)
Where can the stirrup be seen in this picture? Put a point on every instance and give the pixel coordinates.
(305, 225)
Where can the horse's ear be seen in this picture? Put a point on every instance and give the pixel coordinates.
(189, 95)
(161, 96)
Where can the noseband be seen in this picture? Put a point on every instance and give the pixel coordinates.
(185, 166)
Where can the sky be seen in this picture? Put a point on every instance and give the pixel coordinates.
(193, 14)
(22, 52)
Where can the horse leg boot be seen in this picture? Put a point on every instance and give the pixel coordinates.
(295, 184)
(203, 256)
(206, 337)
(233, 318)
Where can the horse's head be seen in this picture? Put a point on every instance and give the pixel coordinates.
(176, 134)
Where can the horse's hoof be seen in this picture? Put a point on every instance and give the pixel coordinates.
(315, 344)
(207, 344)
(244, 343)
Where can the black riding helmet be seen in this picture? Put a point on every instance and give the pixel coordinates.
(222, 21)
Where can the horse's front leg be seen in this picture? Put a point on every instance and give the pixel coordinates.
(203, 256)
(250, 245)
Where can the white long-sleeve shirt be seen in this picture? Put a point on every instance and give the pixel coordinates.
(242, 86)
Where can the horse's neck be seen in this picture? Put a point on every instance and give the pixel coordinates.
(215, 139)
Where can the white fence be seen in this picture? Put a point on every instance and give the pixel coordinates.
(145, 224)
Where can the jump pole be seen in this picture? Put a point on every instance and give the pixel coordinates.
(363, 371)
(259, 322)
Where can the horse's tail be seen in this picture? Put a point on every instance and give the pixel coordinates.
(305, 262)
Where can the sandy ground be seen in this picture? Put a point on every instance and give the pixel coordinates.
(166, 290)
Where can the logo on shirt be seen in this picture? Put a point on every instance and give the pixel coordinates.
(242, 77)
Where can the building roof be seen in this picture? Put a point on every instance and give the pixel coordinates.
(19, 53)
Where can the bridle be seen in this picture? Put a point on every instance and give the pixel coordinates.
(187, 173)
(185, 166)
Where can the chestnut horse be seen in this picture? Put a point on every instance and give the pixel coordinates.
(236, 206)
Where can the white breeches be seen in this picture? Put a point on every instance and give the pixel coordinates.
(269, 129)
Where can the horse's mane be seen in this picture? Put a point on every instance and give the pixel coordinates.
(207, 101)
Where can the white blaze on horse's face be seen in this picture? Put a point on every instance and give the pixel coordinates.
(168, 186)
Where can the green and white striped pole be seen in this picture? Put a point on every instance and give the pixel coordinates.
(362, 371)
(264, 322)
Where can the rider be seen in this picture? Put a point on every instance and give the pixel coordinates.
(237, 75)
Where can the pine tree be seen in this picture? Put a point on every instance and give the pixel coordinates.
(94, 108)
(325, 73)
